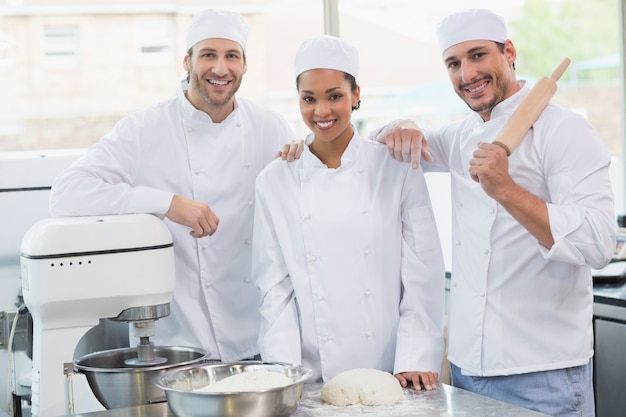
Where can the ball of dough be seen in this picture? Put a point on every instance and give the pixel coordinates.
(362, 386)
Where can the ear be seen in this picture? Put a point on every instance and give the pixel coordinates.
(356, 96)
(186, 64)
(509, 52)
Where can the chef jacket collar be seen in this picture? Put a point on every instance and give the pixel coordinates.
(350, 155)
(189, 111)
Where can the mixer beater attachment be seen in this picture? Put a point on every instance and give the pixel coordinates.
(142, 320)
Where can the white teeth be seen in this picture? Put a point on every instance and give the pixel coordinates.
(324, 125)
(214, 82)
(473, 90)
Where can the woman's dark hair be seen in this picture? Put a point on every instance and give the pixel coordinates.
(353, 86)
(349, 78)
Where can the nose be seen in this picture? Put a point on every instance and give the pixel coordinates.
(467, 72)
(322, 108)
(220, 68)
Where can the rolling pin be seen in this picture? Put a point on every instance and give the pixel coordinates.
(529, 110)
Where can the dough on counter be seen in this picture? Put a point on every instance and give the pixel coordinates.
(249, 381)
(362, 386)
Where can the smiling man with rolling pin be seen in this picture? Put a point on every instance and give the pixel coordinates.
(527, 228)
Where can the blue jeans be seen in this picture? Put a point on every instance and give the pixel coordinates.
(562, 392)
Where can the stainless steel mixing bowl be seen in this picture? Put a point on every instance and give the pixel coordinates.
(117, 384)
(179, 385)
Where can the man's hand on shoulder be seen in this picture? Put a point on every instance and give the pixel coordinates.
(405, 142)
(194, 214)
(291, 151)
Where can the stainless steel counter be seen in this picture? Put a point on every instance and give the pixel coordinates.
(610, 301)
(444, 401)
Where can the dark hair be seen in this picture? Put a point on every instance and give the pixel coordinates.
(500, 46)
(347, 77)
(353, 86)
(190, 53)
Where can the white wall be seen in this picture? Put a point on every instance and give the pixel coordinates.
(24, 177)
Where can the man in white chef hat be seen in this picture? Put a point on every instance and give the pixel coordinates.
(526, 229)
(211, 31)
(478, 25)
(192, 160)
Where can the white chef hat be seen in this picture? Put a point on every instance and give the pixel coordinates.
(328, 52)
(217, 24)
(470, 25)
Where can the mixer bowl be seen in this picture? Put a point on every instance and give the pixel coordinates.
(116, 384)
(179, 385)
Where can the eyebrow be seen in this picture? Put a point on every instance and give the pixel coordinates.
(330, 90)
(468, 52)
(237, 51)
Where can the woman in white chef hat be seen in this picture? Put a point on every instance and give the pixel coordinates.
(346, 252)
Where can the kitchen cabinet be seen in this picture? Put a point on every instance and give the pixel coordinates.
(609, 311)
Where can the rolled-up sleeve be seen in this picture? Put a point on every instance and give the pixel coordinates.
(581, 207)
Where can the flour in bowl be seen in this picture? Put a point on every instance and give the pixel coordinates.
(249, 381)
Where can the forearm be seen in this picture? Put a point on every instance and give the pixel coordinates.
(530, 211)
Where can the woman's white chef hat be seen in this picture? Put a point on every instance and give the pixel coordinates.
(470, 25)
(328, 52)
(217, 24)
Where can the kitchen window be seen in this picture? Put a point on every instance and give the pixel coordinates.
(6, 57)
(154, 42)
(129, 55)
(61, 46)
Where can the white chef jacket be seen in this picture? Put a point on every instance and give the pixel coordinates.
(516, 307)
(349, 264)
(172, 148)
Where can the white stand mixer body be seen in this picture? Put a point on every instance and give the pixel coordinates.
(78, 270)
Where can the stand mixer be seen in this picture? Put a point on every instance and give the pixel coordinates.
(78, 270)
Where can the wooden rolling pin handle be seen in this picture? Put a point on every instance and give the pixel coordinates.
(503, 146)
(522, 119)
(558, 72)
